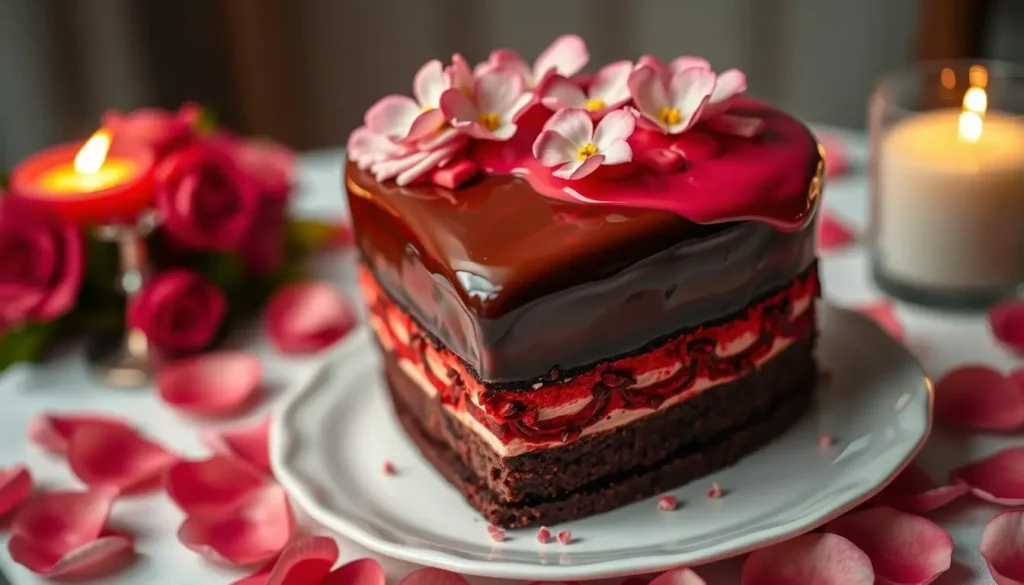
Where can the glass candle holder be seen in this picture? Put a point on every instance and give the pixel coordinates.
(947, 183)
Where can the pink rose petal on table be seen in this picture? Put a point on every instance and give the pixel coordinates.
(998, 479)
(212, 483)
(811, 559)
(113, 455)
(251, 443)
(834, 233)
(253, 530)
(431, 576)
(357, 572)
(1007, 323)
(215, 383)
(53, 432)
(916, 492)
(680, 576)
(61, 534)
(904, 549)
(306, 561)
(15, 486)
(979, 397)
(1002, 546)
(307, 317)
(884, 314)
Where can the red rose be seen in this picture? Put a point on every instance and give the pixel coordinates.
(271, 165)
(262, 250)
(42, 261)
(207, 201)
(178, 310)
(161, 130)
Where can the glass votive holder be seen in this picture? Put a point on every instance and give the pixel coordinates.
(947, 183)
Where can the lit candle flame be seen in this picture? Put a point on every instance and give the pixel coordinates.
(90, 158)
(971, 120)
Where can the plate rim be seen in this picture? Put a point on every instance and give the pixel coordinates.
(638, 565)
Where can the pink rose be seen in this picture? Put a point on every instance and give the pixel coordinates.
(207, 201)
(161, 130)
(178, 310)
(42, 262)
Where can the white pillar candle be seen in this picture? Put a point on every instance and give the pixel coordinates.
(949, 201)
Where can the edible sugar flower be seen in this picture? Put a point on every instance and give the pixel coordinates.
(490, 113)
(569, 139)
(404, 119)
(566, 56)
(608, 90)
(672, 107)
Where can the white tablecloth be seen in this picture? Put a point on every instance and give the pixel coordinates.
(63, 383)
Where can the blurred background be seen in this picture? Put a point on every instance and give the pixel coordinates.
(304, 71)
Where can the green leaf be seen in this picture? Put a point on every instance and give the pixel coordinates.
(24, 344)
(207, 123)
(310, 235)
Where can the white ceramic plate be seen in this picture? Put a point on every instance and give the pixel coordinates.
(331, 438)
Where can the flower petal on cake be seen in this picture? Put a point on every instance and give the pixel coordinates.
(884, 314)
(359, 572)
(1007, 323)
(307, 317)
(113, 455)
(432, 576)
(15, 486)
(392, 116)
(210, 384)
(916, 492)
(253, 530)
(834, 233)
(904, 549)
(251, 443)
(1002, 546)
(52, 432)
(979, 397)
(566, 56)
(560, 92)
(680, 576)
(211, 483)
(998, 479)
(61, 533)
(730, 83)
(810, 559)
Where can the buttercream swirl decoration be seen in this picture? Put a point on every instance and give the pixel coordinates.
(648, 134)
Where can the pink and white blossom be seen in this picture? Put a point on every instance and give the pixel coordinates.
(566, 56)
(490, 112)
(673, 107)
(570, 142)
(608, 90)
(665, 72)
(405, 119)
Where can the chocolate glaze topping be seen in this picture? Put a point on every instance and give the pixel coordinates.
(518, 284)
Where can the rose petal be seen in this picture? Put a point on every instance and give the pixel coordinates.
(431, 576)
(53, 432)
(680, 576)
(59, 533)
(305, 561)
(249, 443)
(903, 548)
(834, 233)
(979, 397)
(1007, 323)
(210, 384)
(998, 479)
(1002, 546)
(211, 483)
(357, 572)
(112, 455)
(91, 559)
(307, 317)
(811, 559)
(15, 486)
(253, 530)
(884, 314)
(916, 492)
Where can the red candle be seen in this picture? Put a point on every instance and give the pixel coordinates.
(88, 182)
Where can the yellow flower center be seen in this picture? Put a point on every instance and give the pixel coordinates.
(427, 108)
(670, 116)
(490, 121)
(595, 104)
(586, 151)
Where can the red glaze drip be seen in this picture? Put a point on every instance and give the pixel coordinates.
(514, 414)
(726, 178)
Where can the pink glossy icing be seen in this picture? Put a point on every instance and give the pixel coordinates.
(722, 177)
